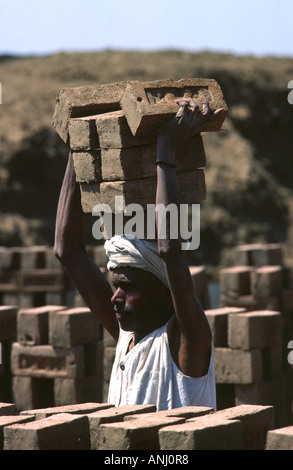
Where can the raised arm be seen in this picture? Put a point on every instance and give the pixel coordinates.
(190, 327)
(70, 250)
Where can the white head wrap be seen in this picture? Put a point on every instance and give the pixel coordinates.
(132, 251)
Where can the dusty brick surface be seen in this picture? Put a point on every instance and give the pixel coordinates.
(280, 439)
(218, 321)
(234, 366)
(87, 166)
(139, 162)
(80, 408)
(143, 191)
(204, 433)
(258, 329)
(33, 325)
(148, 105)
(46, 361)
(134, 434)
(113, 132)
(85, 101)
(256, 421)
(72, 327)
(59, 432)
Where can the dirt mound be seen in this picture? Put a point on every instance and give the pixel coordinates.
(249, 164)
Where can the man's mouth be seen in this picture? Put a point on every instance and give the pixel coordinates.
(120, 312)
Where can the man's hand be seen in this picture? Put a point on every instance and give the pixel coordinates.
(187, 123)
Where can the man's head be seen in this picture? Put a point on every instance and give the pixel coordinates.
(142, 302)
(142, 299)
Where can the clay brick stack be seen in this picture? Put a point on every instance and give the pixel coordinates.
(252, 329)
(30, 276)
(57, 357)
(100, 426)
(111, 130)
(33, 277)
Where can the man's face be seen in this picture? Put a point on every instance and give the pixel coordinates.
(137, 300)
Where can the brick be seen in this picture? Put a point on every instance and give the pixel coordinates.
(234, 366)
(134, 434)
(84, 101)
(218, 321)
(258, 254)
(10, 420)
(60, 432)
(277, 393)
(24, 392)
(45, 361)
(113, 132)
(72, 327)
(7, 409)
(204, 433)
(8, 322)
(142, 191)
(93, 357)
(280, 439)
(33, 325)
(40, 280)
(186, 412)
(259, 329)
(256, 421)
(266, 281)
(83, 134)
(78, 408)
(114, 415)
(87, 166)
(235, 281)
(148, 105)
(32, 257)
(247, 302)
(139, 162)
(72, 391)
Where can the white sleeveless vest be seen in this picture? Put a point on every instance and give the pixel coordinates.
(147, 374)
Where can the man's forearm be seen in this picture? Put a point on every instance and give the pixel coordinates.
(69, 233)
(168, 194)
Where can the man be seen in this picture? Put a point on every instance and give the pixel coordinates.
(164, 352)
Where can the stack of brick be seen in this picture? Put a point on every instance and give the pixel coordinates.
(8, 328)
(251, 345)
(57, 358)
(112, 130)
(30, 277)
(100, 426)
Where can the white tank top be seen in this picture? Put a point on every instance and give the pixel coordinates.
(147, 374)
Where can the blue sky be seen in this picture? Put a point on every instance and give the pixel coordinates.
(255, 27)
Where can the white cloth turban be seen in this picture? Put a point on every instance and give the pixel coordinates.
(134, 252)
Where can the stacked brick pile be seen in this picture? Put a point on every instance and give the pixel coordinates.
(99, 426)
(55, 356)
(30, 276)
(252, 330)
(111, 130)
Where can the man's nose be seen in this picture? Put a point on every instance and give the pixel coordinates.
(117, 297)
